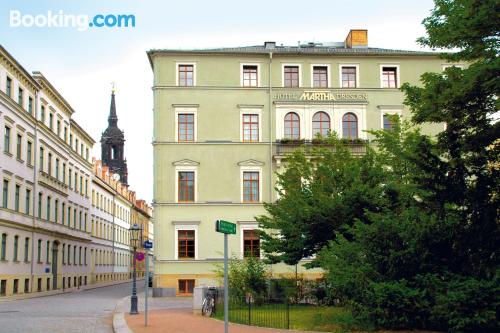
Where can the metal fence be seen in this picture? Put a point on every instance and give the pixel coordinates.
(256, 311)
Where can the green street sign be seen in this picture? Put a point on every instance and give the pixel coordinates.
(225, 227)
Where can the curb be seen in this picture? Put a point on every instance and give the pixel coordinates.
(119, 322)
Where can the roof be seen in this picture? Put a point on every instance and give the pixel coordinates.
(306, 49)
(299, 50)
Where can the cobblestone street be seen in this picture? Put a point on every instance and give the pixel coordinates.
(88, 311)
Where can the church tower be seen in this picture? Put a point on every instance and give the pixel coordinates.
(112, 145)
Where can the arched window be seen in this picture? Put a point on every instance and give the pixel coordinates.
(350, 126)
(321, 124)
(292, 126)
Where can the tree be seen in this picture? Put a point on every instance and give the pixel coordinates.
(317, 199)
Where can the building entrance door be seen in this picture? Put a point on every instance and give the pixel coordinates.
(55, 251)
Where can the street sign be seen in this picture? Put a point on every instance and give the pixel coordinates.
(148, 244)
(139, 256)
(225, 227)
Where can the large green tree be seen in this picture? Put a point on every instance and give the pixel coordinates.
(409, 233)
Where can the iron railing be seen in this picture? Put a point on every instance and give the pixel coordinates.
(253, 311)
(282, 149)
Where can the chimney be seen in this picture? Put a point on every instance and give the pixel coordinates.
(356, 38)
(269, 45)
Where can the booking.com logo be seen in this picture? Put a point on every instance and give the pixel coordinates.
(61, 20)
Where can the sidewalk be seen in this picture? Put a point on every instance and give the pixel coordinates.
(61, 291)
(174, 315)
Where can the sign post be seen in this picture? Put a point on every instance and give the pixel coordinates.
(226, 228)
(147, 245)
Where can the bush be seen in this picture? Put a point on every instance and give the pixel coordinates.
(246, 277)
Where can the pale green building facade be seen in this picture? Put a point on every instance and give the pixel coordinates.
(224, 121)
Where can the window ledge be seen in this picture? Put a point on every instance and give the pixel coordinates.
(8, 153)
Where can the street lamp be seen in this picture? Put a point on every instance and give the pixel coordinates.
(135, 241)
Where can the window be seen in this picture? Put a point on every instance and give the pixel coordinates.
(26, 249)
(65, 134)
(320, 76)
(74, 218)
(6, 140)
(20, 97)
(47, 252)
(69, 215)
(81, 149)
(250, 127)
(48, 209)
(30, 105)
(250, 76)
(51, 121)
(64, 254)
(4, 247)
(16, 197)
(58, 127)
(27, 201)
(251, 186)
(291, 76)
(57, 168)
(185, 127)
(71, 140)
(26, 285)
(185, 244)
(63, 213)
(8, 88)
(186, 286)
(292, 126)
(186, 75)
(3, 287)
(389, 121)
(39, 253)
(349, 77)
(81, 184)
(64, 173)
(42, 114)
(18, 145)
(251, 244)
(41, 158)
(49, 164)
(29, 152)
(69, 177)
(186, 186)
(5, 196)
(350, 126)
(15, 287)
(321, 124)
(75, 185)
(16, 248)
(56, 211)
(40, 205)
(389, 77)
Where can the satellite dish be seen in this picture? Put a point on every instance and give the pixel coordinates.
(116, 176)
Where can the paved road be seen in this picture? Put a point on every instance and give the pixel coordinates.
(88, 311)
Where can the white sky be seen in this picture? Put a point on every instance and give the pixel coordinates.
(82, 65)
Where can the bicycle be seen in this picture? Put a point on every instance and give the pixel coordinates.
(208, 305)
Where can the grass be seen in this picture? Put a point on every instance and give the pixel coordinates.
(301, 317)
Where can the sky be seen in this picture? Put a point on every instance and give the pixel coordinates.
(83, 64)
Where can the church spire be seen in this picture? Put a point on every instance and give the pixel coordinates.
(112, 144)
(113, 118)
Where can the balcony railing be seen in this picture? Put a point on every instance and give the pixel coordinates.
(281, 149)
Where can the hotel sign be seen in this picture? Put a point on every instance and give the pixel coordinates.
(321, 96)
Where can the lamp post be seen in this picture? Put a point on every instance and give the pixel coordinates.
(135, 240)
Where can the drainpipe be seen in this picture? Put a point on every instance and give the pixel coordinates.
(270, 130)
(35, 208)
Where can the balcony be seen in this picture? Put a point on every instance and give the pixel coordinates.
(283, 148)
(53, 183)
